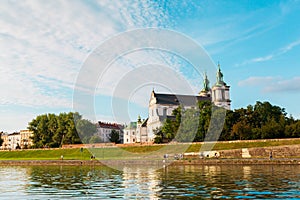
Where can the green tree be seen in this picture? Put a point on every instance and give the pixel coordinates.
(292, 130)
(1, 140)
(159, 136)
(114, 136)
(189, 126)
(241, 130)
(85, 129)
(168, 130)
(41, 136)
(205, 109)
(50, 130)
(95, 139)
(230, 120)
(170, 127)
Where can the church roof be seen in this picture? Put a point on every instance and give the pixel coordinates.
(131, 125)
(144, 124)
(177, 99)
(109, 125)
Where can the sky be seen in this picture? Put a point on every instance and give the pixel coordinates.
(44, 45)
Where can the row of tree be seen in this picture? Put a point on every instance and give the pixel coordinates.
(51, 130)
(260, 121)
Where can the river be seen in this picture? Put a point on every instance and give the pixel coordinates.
(172, 182)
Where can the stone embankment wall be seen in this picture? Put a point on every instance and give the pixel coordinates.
(287, 151)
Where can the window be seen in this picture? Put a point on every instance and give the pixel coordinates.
(165, 112)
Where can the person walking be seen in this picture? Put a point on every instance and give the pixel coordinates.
(271, 155)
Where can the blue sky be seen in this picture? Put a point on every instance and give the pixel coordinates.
(44, 45)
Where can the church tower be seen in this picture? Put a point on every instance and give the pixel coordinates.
(220, 92)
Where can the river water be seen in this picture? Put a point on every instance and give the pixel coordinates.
(172, 182)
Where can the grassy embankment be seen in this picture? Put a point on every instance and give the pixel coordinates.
(129, 152)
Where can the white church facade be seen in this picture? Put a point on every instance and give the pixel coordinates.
(161, 107)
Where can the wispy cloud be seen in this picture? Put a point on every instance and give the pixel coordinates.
(257, 81)
(43, 45)
(273, 55)
(269, 84)
(289, 47)
(290, 85)
(43, 50)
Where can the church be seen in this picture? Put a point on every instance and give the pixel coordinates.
(161, 107)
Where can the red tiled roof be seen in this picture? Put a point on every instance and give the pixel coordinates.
(110, 125)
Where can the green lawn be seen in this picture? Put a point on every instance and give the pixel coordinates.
(129, 152)
(47, 154)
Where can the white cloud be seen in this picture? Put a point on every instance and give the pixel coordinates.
(271, 56)
(261, 59)
(290, 85)
(44, 44)
(289, 47)
(271, 84)
(257, 81)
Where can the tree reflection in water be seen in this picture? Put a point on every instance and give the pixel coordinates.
(100, 182)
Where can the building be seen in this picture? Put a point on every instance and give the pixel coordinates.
(25, 139)
(104, 130)
(14, 140)
(136, 132)
(5, 143)
(17, 140)
(161, 107)
(130, 133)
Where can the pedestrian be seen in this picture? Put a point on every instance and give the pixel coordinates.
(271, 155)
(62, 157)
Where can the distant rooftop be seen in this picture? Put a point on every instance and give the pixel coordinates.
(109, 125)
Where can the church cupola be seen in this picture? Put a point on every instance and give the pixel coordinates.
(139, 119)
(220, 91)
(205, 92)
(220, 81)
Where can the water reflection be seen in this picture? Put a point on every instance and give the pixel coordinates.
(140, 182)
(83, 182)
(13, 181)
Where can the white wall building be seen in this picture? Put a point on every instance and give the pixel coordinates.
(14, 140)
(104, 130)
(136, 132)
(130, 133)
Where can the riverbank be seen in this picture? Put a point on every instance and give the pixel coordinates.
(281, 161)
(281, 148)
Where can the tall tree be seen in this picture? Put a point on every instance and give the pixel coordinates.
(170, 127)
(114, 136)
(189, 126)
(50, 130)
(85, 129)
(1, 140)
(241, 130)
(205, 109)
(95, 139)
(292, 130)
